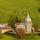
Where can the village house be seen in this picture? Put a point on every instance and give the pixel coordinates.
(4, 27)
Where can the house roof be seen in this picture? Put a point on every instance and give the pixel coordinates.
(3, 24)
(5, 28)
(21, 25)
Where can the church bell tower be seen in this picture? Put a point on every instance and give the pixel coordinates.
(28, 24)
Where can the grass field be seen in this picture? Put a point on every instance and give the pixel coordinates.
(13, 37)
(20, 8)
(8, 7)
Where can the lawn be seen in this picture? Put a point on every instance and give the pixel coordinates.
(14, 37)
(9, 7)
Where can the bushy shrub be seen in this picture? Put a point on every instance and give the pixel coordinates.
(38, 10)
(35, 26)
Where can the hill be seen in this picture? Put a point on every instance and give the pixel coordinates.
(20, 8)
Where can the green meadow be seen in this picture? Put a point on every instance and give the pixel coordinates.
(9, 7)
(20, 8)
(15, 37)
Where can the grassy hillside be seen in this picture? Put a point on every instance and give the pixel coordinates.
(20, 8)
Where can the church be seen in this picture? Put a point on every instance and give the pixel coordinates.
(27, 25)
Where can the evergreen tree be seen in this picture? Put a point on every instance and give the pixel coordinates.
(11, 22)
(17, 20)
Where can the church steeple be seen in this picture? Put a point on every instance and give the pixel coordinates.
(28, 18)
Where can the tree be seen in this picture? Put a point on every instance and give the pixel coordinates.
(39, 10)
(11, 22)
(18, 20)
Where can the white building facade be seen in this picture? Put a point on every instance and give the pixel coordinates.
(28, 24)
